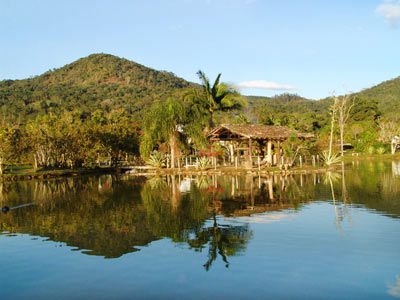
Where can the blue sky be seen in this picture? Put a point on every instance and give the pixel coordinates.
(312, 48)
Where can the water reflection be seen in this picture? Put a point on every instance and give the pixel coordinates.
(113, 215)
(394, 289)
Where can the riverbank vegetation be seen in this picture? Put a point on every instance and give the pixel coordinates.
(102, 110)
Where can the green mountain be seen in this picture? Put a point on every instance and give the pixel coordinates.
(387, 94)
(99, 81)
(106, 82)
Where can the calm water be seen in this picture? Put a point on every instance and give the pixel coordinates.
(328, 236)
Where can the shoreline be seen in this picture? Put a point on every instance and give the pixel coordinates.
(222, 170)
(58, 173)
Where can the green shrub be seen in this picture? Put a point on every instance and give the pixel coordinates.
(381, 150)
(370, 150)
(331, 159)
(203, 163)
(157, 160)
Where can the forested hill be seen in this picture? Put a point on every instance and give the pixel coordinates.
(381, 101)
(99, 81)
(105, 82)
(387, 94)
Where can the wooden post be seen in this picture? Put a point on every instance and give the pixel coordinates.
(236, 162)
(259, 163)
(269, 152)
(215, 163)
(278, 153)
(301, 161)
(313, 160)
(318, 159)
(250, 159)
(186, 161)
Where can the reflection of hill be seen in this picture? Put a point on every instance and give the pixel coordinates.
(109, 217)
(373, 185)
(108, 223)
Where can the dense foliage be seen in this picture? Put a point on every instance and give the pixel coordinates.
(99, 81)
(96, 106)
(69, 142)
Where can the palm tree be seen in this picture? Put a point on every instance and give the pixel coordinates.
(218, 97)
(162, 124)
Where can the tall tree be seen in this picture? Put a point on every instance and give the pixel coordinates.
(163, 124)
(218, 97)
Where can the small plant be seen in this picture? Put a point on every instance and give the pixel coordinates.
(330, 158)
(381, 150)
(157, 160)
(371, 150)
(202, 163)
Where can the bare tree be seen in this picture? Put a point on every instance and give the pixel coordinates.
(344, 106)
(387, 130)
(333, 109)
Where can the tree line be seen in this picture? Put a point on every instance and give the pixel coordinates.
(178, 122)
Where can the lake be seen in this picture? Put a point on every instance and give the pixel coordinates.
(317, 236)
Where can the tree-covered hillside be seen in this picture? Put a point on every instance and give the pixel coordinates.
(387, 94)
(105, 83)
(99, 81)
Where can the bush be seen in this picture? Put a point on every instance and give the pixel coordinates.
(203, 163)
(157, 160)
(381, 150)
(370, 150)
(331, 159)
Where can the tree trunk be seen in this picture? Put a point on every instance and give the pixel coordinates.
(341, 138)
(35, 162)
(173, 144)
(211, 121)
(331, 138)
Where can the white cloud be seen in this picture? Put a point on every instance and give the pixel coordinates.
(390, 11)
(264, 85)
(265, 218)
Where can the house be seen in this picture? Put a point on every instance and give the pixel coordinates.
(264, 140)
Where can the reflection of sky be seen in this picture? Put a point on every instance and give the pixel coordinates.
(265, 218)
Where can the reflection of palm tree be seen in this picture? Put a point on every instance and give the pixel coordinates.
(223, 240)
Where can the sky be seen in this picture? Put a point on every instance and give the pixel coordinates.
(313, 48)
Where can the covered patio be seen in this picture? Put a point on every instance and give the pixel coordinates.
(264, 141)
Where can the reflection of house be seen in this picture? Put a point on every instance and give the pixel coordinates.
(266, 140)
(396, 168)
